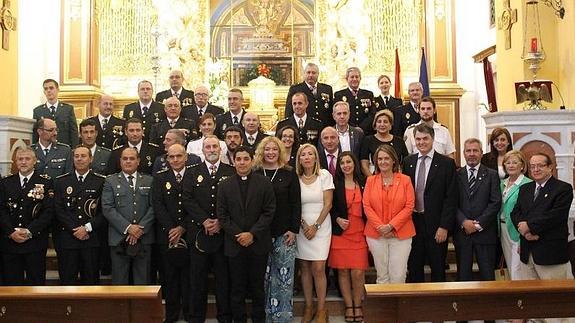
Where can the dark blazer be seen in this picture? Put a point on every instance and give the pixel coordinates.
(100, 160)
(391, 103)
(360, 107)
(200, 198)
(77, 204)
(148, 154)
(483, 206)
(323, 162)
(224, 121)
(65, 120)
(288, 201)
(546, 217)
(155, 115)
(167, 198)
(356, 136)
(161, 163)
(159, 131)
(259, 137)
(16, 211)
(186, 97)
(57, 162)
(339, 207)
(114, 134)
(191, 112)
(403, 117)
(440, 196)
(255, 216)
(489, 160)
(320, 105)
(308, 134)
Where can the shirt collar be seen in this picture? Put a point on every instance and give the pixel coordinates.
(83, 176)
(335, 154)
(142, 105)
(44, 148)
(135, 174)
(429, 154)
(138, 146)
(476, 167)
(544, 183)
(28, 177)
(55, 105)
(304, 118)
(181, 172)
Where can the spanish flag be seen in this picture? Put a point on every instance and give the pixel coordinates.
(398, 89)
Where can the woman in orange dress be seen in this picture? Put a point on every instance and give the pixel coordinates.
(348, 252)
(388, 202)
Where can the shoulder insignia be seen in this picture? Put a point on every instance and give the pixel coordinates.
(314, 118)
(162, 171)
(99, 175)
(62, 144)
(153, 144)
(193, 165)
(45, 176)
(104, 148)
(34, 145)
(63, 175)
(118, 147)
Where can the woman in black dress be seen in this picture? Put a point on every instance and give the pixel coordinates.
(289, 136)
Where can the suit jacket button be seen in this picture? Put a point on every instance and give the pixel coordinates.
(134, 221)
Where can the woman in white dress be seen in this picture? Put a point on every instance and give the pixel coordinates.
(314, 237)
(207, 127)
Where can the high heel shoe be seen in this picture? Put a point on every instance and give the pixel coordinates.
(358, 318)
(321, 316)
(307, 314)
(349, 318)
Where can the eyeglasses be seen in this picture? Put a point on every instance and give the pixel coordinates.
(200, 94)
(50, 130)
(537, 166)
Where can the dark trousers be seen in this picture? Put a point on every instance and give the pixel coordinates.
(123, 266)
(247, 272)
(200, 265)
(177, 290)
(465, 248)
(104, 260)
(157, 268)
(571, 248)
(82, 261)
(424, 250)
(25, 269)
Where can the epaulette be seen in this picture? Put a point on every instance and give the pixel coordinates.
(104, 148)
(412, 126)
(153, 144)
(162, 171)
(284, 119)
(313, 118)
(45, 176)
(118, 147)
(62, 144)
(99, 175)
(193, 165)
(60, 176)
(34, 145)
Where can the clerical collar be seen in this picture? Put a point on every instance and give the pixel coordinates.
(245, 177)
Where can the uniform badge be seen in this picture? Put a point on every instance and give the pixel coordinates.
(157, 117)
(200, 178)
(407, 115)
(224, 126)
(131, 114)
(69, 190)
(366, 110)
(186, 102)
(168, 185)
(149, 158)
(325, 97)
(377, 105)
(344, 99)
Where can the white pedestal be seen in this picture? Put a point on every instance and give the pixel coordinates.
(14, 132)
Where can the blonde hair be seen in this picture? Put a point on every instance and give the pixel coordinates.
(259, 155)
(382, 113)
(299, 168)
(519, 155)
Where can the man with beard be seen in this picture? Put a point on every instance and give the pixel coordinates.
(233, 140)
(407, 114)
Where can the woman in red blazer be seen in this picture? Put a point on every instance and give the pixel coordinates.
(388, 202)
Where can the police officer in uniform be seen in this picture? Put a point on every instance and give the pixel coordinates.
(53, 158)
(173, 136)
(407, 114)
(361, 102)
(148, 111)
(26, 211)
(146, 151)
(233, 117)
(308, 127)
(205, 238)
(177, 90)
(110, 128)
(100, 156)
(77, 199)
(172, 121)
(319, 96)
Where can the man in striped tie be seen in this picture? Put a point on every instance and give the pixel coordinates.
(475, 232)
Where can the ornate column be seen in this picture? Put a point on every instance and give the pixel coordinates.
(79, 59)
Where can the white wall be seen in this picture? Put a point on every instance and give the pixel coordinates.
(472, 36)
(38, 50)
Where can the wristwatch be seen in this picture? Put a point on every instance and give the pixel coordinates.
(317, 226)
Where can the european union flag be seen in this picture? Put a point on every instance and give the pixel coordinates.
(423, 79)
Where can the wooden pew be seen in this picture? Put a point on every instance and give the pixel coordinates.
(100, 304)
(469, 301)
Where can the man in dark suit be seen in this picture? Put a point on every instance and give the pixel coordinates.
(407, 114)
(329, 149)
(308, 127)
(62, 113)
(252, 134)
(127, 205)
(350, 137)
(53, 158)
(245, 208)
(146, 151)
(109, 127)
(319, 96)
(26, 211)
(77, 199)
(476, 224)
(201, 106)
(434, 178)
(541, 216)
(173, 136)
(148, 111)
(173, 121)
(100, 156)
(361, 101)
(205, 236)
(171, 219)
(177, 90)
(234, 116)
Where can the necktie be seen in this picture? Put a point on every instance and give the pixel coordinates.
(331, 165)
(177, 95)
(46, 151)
(314, 90)
(24, 182)
(179, 177)
(235, 120)
(420, 185)
(81, 179)
(354, 93)
(251, 140)
(172, 123)
(537, 190)
(53, 111)
(131, 182)
(385, 100)
(213, 170)
(472, 180)
(145, 110)
(104, 124)
(200, 112)
(300, 123)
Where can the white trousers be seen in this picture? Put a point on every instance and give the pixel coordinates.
(390, 258)
(511, 254)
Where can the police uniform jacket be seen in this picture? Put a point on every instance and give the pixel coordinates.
(186, 96)
(113, 135)
(308, 134)
(58, 161)
(148, 153)
(155, 115)
(161, 162)
(403, 117)
(159, 130)
(258, 137)
(391, 103)
(65, 121)
(167, 199)
(78, 204)
(224, 121)
(122, 206)
(19, 209)
(100, 160)
(191, 112)
(320, 105)
(360, 107)
(200, 197)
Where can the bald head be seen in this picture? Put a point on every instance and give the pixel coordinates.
(106, 105)
(251, 122)
(329, 139)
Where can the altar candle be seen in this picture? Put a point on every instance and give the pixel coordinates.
(534, 45)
